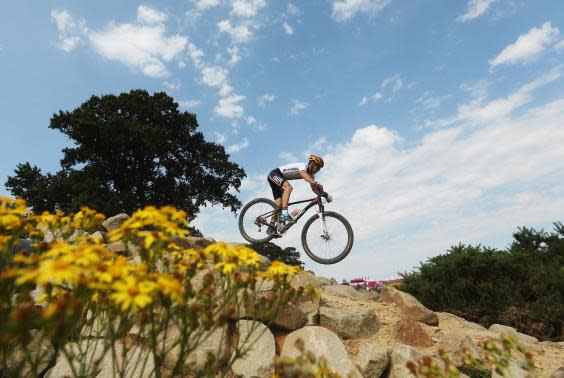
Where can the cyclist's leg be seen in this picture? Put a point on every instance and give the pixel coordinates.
(276, 181)
(286, 199)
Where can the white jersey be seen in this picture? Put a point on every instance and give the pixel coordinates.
(292, 171)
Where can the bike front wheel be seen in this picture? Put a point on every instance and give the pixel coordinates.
(327, 239)
(254, 220)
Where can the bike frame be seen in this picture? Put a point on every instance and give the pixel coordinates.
(312, 202)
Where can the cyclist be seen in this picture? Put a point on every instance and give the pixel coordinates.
(281, 188)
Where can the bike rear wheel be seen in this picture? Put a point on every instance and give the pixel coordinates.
(331, 246)
(254, 219)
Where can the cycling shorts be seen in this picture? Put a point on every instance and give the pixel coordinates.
(276, 180)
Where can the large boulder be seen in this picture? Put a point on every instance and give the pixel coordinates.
(138, 362)
(372, 359)
(453, 343)
(349, 323)
(323, 344)
(517, 369)
(401, 355)
(412, 333)
(258, 342)
(558, 373)
(502, 329)
(115, 222)
(344, 291)
(217, 343)
(409, 306)
(192, 242)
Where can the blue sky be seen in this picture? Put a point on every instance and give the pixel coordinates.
(440, 121)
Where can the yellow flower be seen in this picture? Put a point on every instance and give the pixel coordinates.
(58, 271)
(170, 287)
(132, 294)
(9, 221)
(278, 270)
(226, 267)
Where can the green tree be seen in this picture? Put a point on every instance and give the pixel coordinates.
(288, 255)
(129, 151)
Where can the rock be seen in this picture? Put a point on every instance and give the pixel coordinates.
(305, 280)
(39, 348)
(516, 369)
(217, 343)
(98, 236)
(343, 291)
(191, 242)
(139, 363)
(349, 323)
(77, 234)
(322, 281)
(322, 343)
(259, 359)
(401, 355)
(117, 247)
(501, 329)
(453, 343)
(372, 360)
(290, 318)
(409, 306)
(115, 221)
(558, 373)
(412, 333)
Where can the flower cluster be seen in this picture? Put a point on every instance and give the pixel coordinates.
(87, 289)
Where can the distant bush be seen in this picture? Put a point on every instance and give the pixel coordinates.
(522, 286)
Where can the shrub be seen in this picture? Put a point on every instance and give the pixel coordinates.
(522, 286)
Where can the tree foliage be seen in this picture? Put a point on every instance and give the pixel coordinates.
(288, 255)
(129, 151)
(522, 286)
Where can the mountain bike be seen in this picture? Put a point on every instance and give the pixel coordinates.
(327, 237)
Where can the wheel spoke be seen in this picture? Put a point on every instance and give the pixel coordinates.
(331, 247)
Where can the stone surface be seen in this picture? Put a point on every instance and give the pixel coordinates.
(323, 281)
(343, 291)
(217, 343)
(349, 323)
(558, 373)
(501, 329)
(191, 242)
(516, 369)
(40, 350)
(399, 357)
(139, 363)
(409, 306)
(117, 247)
(98, 236)
(290, 318)
(114, 222)
(372, 359)
(322, 343)
(453, 343)
(259, 359)
(412, 333)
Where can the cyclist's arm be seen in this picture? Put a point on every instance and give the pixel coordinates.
(307, 177)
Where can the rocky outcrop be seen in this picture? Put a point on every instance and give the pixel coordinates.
(501, 329)
(114, 222)
(454, 342)
(410, 307)
(349, 323)
(258, 361)
(323, 344)
(400, 356)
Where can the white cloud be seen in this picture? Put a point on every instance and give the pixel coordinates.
(363, 101)
(376, 97)
(287, 28)
(172, 85)
(247, 8)
(71, 30)
(239, 34)
(229, 107)
(475, 9)
(189, 104)
(478, 114)
(559, 47)
(528, 46)
(288, 157)
(262, 100)
(214, 76)
(238, 146)
(206, 4)
(293, 10)
(344, 10)
(148, 15)
(394, 80)
(225, 90)
(234, 55)
(298, 106)
(428, 101)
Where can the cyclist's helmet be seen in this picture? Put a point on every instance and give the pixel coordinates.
(317, 160)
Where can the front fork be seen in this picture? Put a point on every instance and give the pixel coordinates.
(323, 224)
